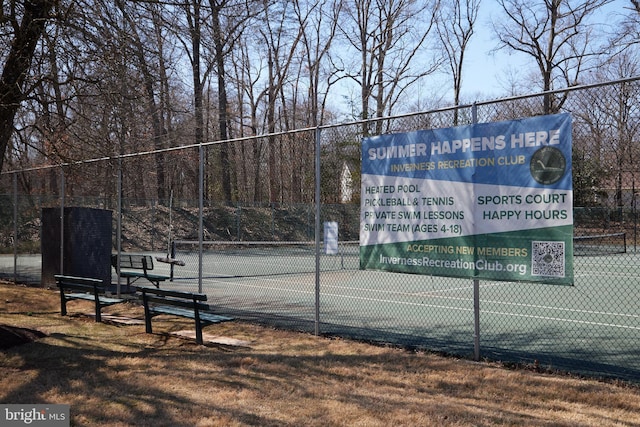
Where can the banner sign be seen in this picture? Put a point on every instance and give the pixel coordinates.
(485, 201)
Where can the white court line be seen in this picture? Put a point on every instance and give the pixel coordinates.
(422, 304)
(356, 297)
(427, 294)
(607, 274)
(571, 310)
(432, 294)
(536, 306)
(526, 316)
(560, 319)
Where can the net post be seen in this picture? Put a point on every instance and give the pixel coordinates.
(173, 257)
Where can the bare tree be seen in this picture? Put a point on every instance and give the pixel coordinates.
(627, 31)
(390, 38)
(612, 114)
(84, 102)
(555, 34)
(192, 39)
(248, 124)
(149, 63)
(455, 25)
(309, 90)
(318, 25)
(25, 22)
(280, 40)
(228, 20)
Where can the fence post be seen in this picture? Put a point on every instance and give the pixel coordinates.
(476, 320)
(15, 227)
(476, 282)
(119, 226)
(62, 183)
(200, 211)
(317, 231)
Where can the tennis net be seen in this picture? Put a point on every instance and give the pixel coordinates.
(600, 244)
(258, 258)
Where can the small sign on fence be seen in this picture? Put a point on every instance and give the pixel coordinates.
(331, 238)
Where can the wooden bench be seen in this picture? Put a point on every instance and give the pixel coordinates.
(185, 304)
(83, 288)
(133, 267)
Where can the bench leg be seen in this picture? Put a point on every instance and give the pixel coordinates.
(147, 324)
(98, 308)
(198, 327)
(63, 304)
(147, 316)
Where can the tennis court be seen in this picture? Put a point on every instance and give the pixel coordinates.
(588, 327)
(591, 328)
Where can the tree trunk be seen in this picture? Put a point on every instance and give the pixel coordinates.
(17, 64)
(225, 165)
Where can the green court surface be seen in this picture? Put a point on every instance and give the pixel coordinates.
(592, 327)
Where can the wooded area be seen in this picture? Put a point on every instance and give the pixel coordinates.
(102, 79)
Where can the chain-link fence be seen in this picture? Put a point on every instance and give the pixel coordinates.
(269, 263)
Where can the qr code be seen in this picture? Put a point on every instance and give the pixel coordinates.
(547, 259)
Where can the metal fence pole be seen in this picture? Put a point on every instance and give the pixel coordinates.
(317, 232)
(200, 212)
(476, 282)
(15, 227)
(476, 320)
(119, 226)
(62, 184)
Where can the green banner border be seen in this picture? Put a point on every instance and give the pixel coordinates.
(504, 256)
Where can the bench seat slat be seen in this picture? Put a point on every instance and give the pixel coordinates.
(172, 293)
(175, 311)
(214, 318)
(188, 304)
(160, 277)
(124, 273)
(156, 277)
(89, 297)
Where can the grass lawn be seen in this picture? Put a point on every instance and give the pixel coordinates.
(117, 375)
